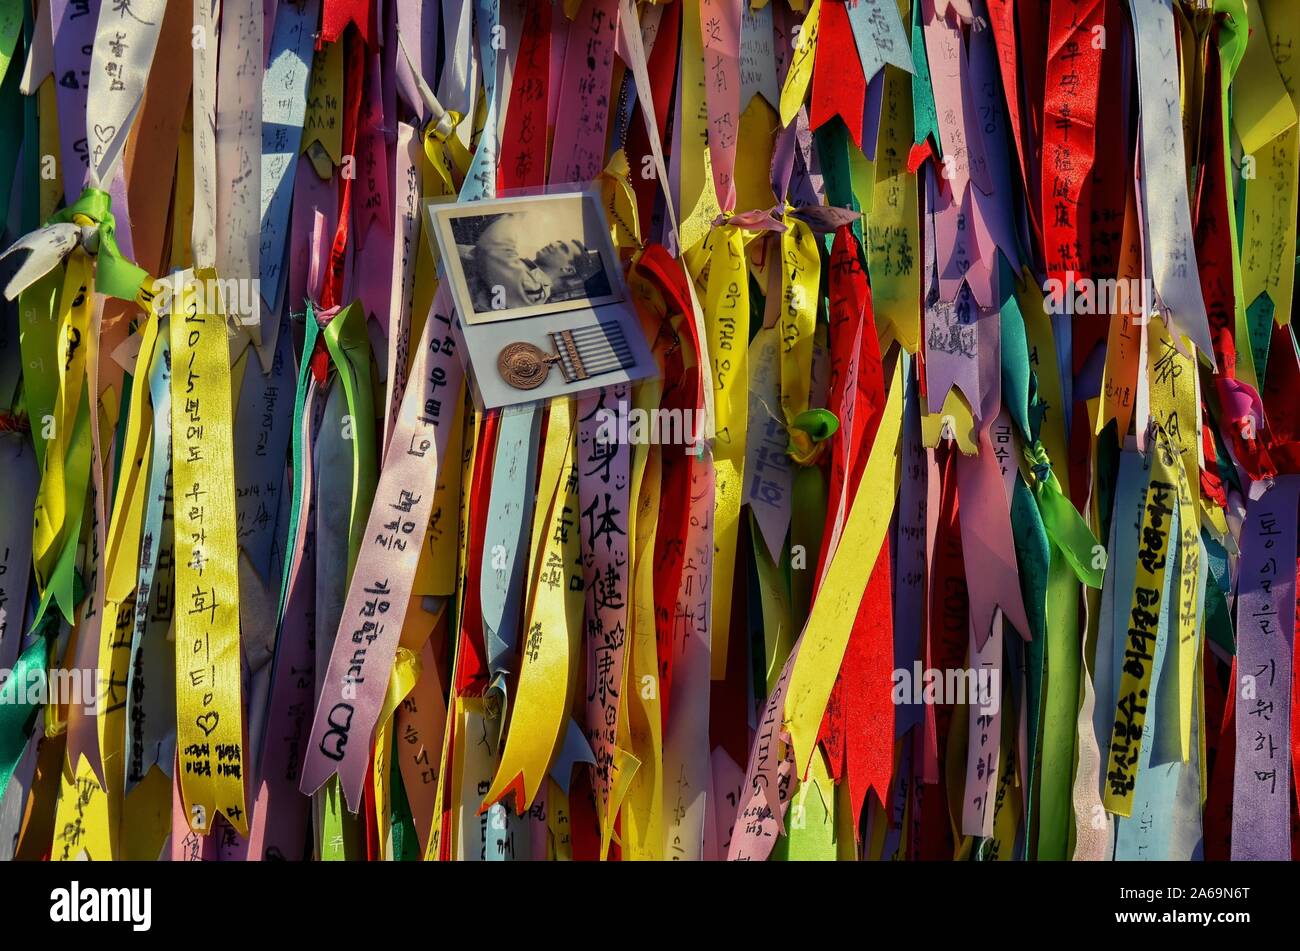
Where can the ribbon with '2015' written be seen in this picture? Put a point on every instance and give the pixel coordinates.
(209, 705)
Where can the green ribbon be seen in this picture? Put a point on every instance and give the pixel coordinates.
(833, 145)
(1233, 33)
(1059, 712)
(19, 706)
(819, 424)
(348, 344)
(1259, 317)
(1218, 617)
(406, 844)
(809, 430)
(1016, 374)
(298, 450)
(115, 276)
(808, 502)
(1065, 526)
(11, 100)
(1033, 559)
(925, 118)
(342, 833)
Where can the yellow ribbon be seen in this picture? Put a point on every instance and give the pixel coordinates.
(726, 311)
(322, 135)
(209, 715)
(620, 201)
(1042, 360)
(445, 153)
(433, 842)
(893, 225)
(445, 162)
(801, 65)
(800, 277)
(1266, 262)
(84, 819)
(1175, 405)
(1144, 620)
(406, 671)
(435, 574)
(640, 719)
(699, 200)
(74, 308)
(821, 649)
(553, 636)
(121, 561)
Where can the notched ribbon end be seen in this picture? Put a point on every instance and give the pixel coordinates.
(517, 786)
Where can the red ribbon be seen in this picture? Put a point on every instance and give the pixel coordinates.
(838, 85)
(947, 639)
(353, 85)
(684, 389)
(472, 667)
(1112, 177)
(523, 142)
(1211, 484)
(1280, 387)
(1032, 30)
(1069, 132)
(338, 14)
(1112, 170)
(1250, 437)
(857, 730)
(1002, 15)
(661, 67)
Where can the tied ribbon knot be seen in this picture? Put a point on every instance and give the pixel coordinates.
(1039, 463)
(822, 219)
(320, 357)
(811, 428)
(809, 435)
(1065, 526)
(443, 149)
(809, 431)
(115, 276)
(441, 146)
(87, 223)
(441, 128)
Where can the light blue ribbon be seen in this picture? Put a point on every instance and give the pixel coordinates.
(1145, 836)
(151, 678)
(284, 109)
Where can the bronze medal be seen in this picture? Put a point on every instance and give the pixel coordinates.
(523, 365)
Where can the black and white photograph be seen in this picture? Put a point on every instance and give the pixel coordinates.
(521, 257)
(541, 306)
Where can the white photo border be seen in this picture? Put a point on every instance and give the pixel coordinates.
(442, 214)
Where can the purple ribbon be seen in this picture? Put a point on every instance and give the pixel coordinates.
(1261, 789)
